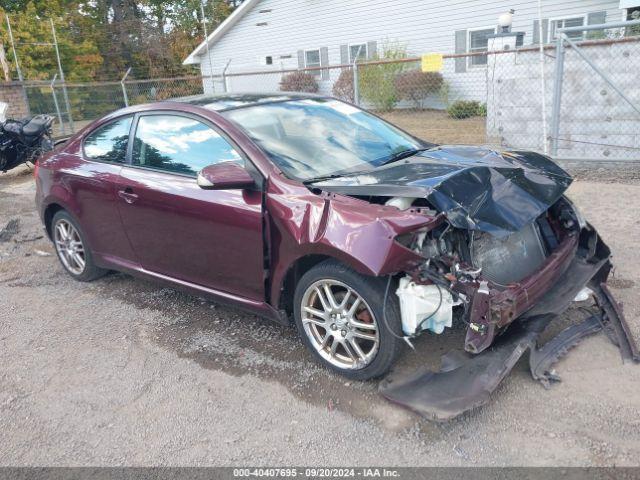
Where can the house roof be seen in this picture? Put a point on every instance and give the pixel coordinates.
(244, 8)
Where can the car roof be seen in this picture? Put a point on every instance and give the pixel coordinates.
(231, 101)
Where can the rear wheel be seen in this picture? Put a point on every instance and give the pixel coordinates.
(72, 249)
(339, 316)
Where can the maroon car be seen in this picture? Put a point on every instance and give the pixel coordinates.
(307, 208)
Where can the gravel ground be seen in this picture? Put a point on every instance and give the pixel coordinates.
(123, 372)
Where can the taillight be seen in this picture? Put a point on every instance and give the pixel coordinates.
(36, 166)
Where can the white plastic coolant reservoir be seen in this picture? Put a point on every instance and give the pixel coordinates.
(418, 302)
(401, 203)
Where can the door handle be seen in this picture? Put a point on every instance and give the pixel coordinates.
(127, 195)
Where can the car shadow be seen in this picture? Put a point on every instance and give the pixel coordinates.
(225, 339)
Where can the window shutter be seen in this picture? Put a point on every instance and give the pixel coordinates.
(300, 59)
(536, 31)
(324, 62)
(461, 47)
(596, 18)
(372, 50)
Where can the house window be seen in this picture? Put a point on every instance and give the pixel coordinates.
(311, 60)
(479, 42)
(632, 14)
(357, 50)
(557, 23)
(268, 60)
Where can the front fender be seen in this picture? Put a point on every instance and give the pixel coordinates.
(354, 232)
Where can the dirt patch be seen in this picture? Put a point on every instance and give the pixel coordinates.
(605, 172)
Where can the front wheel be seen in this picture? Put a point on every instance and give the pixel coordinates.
(340, 318)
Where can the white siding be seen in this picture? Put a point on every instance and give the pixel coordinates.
(420, 25)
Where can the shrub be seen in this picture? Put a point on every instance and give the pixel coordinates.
(466, 109)
(343, 88)
(299, 82)
(444, 93)
(376, 82)
(416, 85)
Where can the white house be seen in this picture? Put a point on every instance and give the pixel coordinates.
(276, 34)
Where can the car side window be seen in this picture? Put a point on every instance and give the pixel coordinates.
(179, 144)
(108, 143)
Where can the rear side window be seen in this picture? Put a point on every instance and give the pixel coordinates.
(109, 142)
(179, 144)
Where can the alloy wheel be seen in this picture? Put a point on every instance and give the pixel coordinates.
(69, 247)
(339, 324)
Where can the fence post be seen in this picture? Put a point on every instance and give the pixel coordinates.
(18, 69)
(124, 88)
(64, 86)
(557, 95)
(224, 76)
(206, 40)
(543, 86)
(356, 86)
(55, 102)
(13, 48)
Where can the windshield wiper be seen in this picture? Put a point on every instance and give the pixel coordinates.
(322, 178)
(394, 157)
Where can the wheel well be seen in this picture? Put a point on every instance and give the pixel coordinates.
(49, 213)
(295, 272)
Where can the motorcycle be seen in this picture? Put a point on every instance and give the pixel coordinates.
(23, 141)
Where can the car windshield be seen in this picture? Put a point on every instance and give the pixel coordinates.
(314, 138)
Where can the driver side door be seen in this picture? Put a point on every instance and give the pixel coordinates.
(211, 238)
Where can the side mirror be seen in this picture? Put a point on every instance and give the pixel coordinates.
(224, 176)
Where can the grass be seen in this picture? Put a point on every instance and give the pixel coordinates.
(436, 126)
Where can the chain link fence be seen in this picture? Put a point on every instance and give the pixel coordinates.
(502, 98)
(597, 99)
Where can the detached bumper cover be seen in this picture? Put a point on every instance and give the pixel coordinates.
(466, 381)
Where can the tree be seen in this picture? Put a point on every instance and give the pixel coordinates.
(100, 39)
(377, 82)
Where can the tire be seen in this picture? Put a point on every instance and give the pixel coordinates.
(325, 326)
(83, 273)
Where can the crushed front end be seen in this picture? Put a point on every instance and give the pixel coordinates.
(505, 252)
(538, 270)
(526, 279)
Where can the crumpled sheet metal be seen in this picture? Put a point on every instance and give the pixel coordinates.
(464, 381)
(477, 188)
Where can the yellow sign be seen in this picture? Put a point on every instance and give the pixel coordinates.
(432, 62)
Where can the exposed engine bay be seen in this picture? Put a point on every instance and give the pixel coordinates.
(461, 264)
(502, 246)
(468, 271)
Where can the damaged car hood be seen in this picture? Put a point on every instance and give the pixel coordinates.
(476, 188)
